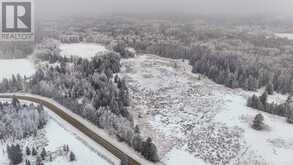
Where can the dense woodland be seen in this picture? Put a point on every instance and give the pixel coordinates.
(18, 121)
(15, 50)
(236, 57)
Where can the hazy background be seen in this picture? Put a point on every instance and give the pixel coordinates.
(52, 8)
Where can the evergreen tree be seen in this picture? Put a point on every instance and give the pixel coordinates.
(50, 158)
(39, 161)
(43, 154)
(14, 154)
(116, 78)
(34, 151)
(27, 162)
(27, 150)
(124, 160)
(289, 104)
(15, 102)
(270, 88)
(137, 143)
(260, 105)
(72, 156)
(150, 151)
(258, 122)
(263, 98)
(136, 129)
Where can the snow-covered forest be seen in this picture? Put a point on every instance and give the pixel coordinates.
(19, 120)
(90, 88)
(248, 59)
(165, 88)
(15, 50)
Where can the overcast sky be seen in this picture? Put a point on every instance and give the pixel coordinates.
(241, 7)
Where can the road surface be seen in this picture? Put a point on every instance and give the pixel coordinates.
(75, 122)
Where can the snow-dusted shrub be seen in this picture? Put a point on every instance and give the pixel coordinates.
(215, 144)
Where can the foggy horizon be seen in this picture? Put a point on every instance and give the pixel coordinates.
(56, 8)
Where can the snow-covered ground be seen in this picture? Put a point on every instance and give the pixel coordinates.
(58, 133)
(285, 35)
(24, 67)
(101, 132)
(84, 50)
(192, 119)
(87, 151)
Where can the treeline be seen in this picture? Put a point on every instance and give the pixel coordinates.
(233, 69)
(18, 121)
(261, 103)
(15, 50)
(227, 69)
(230, 57)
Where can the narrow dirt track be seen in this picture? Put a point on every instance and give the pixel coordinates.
(78, 125)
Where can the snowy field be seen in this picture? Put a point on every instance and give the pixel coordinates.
(58, 133)
(196, 121)
(24, 67)
(84, 50)
(285, 35)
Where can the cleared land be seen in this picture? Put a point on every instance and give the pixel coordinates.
(189, 115)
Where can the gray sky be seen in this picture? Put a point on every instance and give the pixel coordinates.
(241, 7)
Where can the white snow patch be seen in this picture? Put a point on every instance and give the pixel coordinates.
(272, 145)
(285, 35)
(178, 156)
(84, 50)
(59, 132)
(23, 67)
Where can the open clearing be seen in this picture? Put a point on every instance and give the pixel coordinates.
(84, 50)
(200, 120)
(23, 67)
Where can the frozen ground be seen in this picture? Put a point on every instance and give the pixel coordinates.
(101, 132)
(24, 67)
(192, 119)
(84, 50)
(285, 35)
(58, 133)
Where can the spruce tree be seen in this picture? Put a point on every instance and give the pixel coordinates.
(150, 151)
(34, 151)
(263, 98)
(72, 156)
(124, 160)
(27, 162)
(270, 88)
(27, 150)
(14, 154)
(43, 154)
(258, 122)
